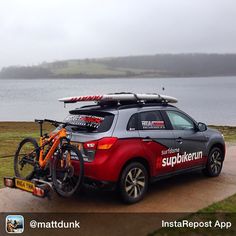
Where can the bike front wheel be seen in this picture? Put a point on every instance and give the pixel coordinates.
(67, 170)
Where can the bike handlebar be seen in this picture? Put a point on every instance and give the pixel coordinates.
(54, 122)
(51, 121)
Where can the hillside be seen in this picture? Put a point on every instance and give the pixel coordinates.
(161, 65)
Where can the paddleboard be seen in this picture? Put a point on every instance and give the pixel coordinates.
(142, 97)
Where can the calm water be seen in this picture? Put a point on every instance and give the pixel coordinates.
(210, 100)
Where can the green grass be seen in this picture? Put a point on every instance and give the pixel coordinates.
(86, 68)
(228, 131)
(227, 205)
(94, 69)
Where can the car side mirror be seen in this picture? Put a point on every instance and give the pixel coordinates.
(202, 127)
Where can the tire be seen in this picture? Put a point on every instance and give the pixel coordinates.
(133, 183)
(214, 162)
(67, 180)
(22, 169)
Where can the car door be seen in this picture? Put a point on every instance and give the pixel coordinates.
(188, 139)
(157, 140)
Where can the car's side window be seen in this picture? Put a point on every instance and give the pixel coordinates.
(151, 120)
(180, 121)
(133, 123)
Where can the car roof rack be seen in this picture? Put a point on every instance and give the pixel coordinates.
(107, 107)
(122, 98)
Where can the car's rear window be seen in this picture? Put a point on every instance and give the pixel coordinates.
(90, 121)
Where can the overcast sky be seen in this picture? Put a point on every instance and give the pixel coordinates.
(32, 31)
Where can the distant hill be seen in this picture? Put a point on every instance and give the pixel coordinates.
(160, 65)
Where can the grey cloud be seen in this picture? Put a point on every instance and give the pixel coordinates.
(39, 30)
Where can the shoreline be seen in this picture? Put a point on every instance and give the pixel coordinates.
(125, 77)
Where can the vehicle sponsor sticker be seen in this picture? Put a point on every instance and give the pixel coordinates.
(173, 157)
(85, 120)
(153, 124)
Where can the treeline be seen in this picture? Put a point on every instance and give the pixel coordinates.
(180, 64)
(25, 72)
(160, 65)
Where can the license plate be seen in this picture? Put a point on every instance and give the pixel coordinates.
(24, 185)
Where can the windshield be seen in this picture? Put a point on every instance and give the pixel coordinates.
(90, 122)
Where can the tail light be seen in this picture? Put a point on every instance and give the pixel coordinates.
(106, 143)
(9, 182)
(89, 148)
(101, 144)
(39, 192)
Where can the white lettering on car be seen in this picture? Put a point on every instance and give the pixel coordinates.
(177, 159)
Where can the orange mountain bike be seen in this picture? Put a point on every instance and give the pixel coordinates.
(54, 159)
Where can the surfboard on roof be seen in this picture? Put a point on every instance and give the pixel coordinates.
(112, 97)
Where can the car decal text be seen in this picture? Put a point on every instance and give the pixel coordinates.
(178, 158)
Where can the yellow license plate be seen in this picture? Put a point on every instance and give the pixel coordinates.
(24, 185)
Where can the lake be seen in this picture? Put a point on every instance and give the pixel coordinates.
(211, 100)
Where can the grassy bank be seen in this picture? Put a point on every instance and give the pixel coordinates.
(139, 66)
(11, 133)
(229, 132)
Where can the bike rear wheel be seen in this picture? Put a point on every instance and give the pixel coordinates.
(26, 155)
(67, 178)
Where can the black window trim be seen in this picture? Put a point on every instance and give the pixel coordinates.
(181, 112)
(136, 122)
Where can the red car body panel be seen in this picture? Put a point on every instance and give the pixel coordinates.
(107, 164)
(102, 168)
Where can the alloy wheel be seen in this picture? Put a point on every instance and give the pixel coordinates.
(135, 182)
(216, 162)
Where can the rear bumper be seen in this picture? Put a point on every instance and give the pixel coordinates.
(105, 185)
(104, 168)
(101, 171)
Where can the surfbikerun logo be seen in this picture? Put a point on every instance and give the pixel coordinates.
(178, 158)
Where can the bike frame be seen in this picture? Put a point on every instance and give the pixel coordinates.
(56, 138)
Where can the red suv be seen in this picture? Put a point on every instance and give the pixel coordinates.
(128, 143)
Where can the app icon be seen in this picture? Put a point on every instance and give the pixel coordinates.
(15, 224)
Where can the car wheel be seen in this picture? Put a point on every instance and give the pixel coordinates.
(214, 163)
(133, 182)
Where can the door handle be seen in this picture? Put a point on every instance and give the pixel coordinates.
(147, 139)
(179, 140)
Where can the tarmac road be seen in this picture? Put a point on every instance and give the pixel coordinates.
(182, 194)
